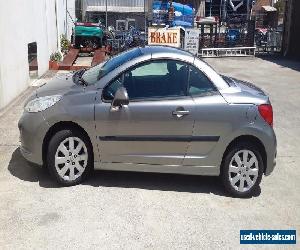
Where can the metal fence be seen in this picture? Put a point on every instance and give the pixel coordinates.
(222, 36)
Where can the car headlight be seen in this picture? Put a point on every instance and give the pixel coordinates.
(41, 103)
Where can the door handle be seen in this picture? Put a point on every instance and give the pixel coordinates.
(180, 113)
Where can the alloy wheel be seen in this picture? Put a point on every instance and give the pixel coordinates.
(243, 170)
(71, 158)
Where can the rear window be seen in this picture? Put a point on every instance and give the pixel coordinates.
(229, 81)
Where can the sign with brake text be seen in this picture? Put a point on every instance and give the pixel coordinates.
(191, 40)
(162, 36)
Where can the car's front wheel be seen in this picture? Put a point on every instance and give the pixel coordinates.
(242, 170)
(69, 157)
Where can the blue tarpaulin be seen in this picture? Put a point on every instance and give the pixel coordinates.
(183, 14)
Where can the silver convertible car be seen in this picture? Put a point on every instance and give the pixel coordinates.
(151, 109)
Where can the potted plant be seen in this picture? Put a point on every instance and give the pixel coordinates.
(54, 59)
(64, 44)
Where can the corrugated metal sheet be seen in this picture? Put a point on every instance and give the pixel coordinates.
(115, 5)
(120, 9)
(121, 3)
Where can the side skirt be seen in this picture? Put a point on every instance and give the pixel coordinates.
(175, 169)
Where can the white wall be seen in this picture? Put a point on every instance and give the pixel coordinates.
(64, 22)
(23, 22)
(70, 18)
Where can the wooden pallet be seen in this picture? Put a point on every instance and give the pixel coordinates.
(69, 60)
(99, 56)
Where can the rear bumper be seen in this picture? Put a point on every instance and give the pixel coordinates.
(271, 151)
(271, 163)
(33, 129)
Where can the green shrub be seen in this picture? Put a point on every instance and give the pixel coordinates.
(55, 57)
(64, 44)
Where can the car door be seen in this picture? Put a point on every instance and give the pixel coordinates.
(212, 119)
(156, 125)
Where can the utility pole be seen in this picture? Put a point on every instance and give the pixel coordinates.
(220, 10)
(145, 23)
(66, 30)
(106, 25)
(248, 10)
(224, 10)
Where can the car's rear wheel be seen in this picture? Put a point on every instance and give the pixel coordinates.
(242, 170)
(69, 157)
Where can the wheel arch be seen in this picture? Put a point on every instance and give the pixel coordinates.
(58, 127)
(250, 139)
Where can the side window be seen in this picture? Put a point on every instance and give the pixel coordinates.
(199, 83)
(156, 79)
(111, 89)
(153, 68)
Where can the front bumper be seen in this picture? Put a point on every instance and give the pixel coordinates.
(33, 129)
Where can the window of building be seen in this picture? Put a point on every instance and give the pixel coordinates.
(32, 60)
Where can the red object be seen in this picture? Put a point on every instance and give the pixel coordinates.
(86, 24)
(33, 65)
(109, 48)
(266, 111)
(69, 59)
(53, 65)
(99, 57)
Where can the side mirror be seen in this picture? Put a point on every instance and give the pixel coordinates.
(121, 98)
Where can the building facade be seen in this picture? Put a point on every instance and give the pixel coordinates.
(31, 27)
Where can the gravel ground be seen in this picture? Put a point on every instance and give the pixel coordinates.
(119, 210)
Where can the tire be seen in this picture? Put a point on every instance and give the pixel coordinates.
(241, 178)
(62, 161)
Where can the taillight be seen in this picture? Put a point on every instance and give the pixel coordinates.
(266, 111)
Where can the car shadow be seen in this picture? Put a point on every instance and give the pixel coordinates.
(25, 171)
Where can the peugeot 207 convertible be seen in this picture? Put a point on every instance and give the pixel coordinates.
(151, 109)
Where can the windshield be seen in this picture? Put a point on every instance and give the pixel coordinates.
(94, 74)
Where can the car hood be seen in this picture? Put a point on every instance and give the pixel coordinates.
(58, 85)
(243, 92)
